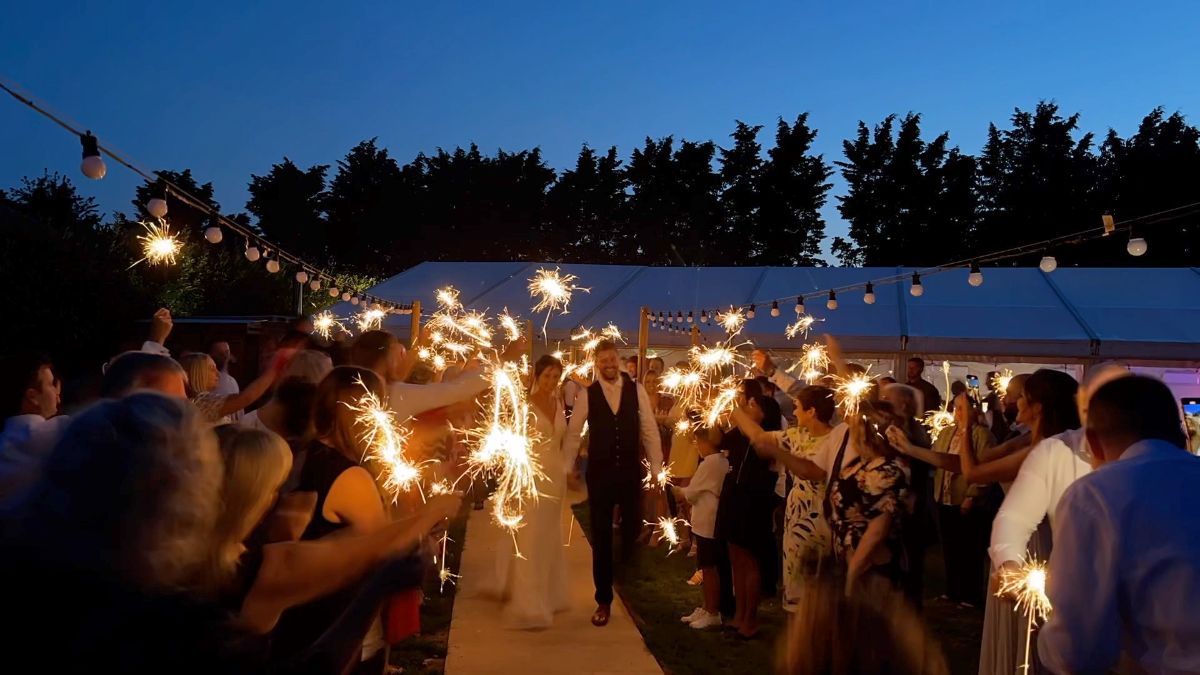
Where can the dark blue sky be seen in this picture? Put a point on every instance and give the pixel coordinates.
(228, 88)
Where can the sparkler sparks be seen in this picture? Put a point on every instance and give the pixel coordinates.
(815, 358)
(159, 246)
(1001, 380)
(722, 403)
(851, 391)
(1027, 586)
(667, 530)
(553, 291)
(325, 323)
(512, 330)
(801, 327)
(938, 421)
(444, 574)
(370, 319)
(659, 480)
(682, 426)
(732, 321)
(385, 440)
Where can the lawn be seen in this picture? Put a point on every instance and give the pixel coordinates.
(425, 654)
(655, 592)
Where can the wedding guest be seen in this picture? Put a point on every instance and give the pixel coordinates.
(931, 397)
(703, 493)
(30, 394)
(226, 384)
(1122, 577)
(133, 371)
(202, 380)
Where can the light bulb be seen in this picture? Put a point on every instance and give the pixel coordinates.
(301, 277)
(252, 254)
(333, 291)
(690, 317)
(917, 289)
(272, 266)
(750, 314)
(1136, 247)
(93, 164)
(354, 300)
(213, 234)
(157, 207)
(869, 296)
(832, 302)
(774, 308)
(1048, 264)
(975, 278)
(315, 284)
(799, 305)
(345, 295)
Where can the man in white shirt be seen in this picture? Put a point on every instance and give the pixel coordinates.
(31, 394)
(1051, 467)
(1124, 577)
(226, 384)
(621, 426)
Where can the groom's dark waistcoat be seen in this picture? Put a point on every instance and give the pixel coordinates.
(614, 440)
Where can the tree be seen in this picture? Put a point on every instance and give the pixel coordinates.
(586, 221)
(653, 209)
(741, 192)
(1155, 169)
(289, 205)
(365, 198)
(794, 189)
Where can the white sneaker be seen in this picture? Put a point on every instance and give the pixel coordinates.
(706, 620)
(696, 614)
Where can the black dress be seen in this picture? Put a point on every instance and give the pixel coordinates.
(747, 498)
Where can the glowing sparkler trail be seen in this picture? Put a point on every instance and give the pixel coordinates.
(512, 329)
(553, 292)
(385, 439)
(447, 299)
(1001, 380)
(659, 480)
(370, 319)
(444, 574)
(732, 321)
(1027, 585)
(668, 530)
(713, 358)
(851, 390)
(682, 426)
(801, 327)
(159, 246)
(722, 403)
(324, 324)
(938, 421)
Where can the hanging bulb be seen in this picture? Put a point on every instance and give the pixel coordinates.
(272, 266)
(334, 292)
(157, 206)
(750, 313)
(774, 308)
(917, 289)
(660, 317)
(690, 318)
(213, 234)
(869, 296)
(679, 318)
(345, 295)
(315, 284)
(1048, 264)
(799, 304)
(354, 300)
(1136, 247)
(832, 302)
(93, 164)
(975, 278)
(252, 253)
(703, 316)
(302, 277)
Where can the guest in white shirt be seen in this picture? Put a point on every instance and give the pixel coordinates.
(1124, 577)
(1056, 462)
(703, 493)
(31, 394)
(226, 384)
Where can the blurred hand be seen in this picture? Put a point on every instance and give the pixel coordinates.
(967, 505)
(898, 439)
(995, 582)
(442, 507)
(160, 326)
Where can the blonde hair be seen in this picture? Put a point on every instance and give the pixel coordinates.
(196, 367)
(131, 491)
(828, 631)
(309, 365)
(256, 464)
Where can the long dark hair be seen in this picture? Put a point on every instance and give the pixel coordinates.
(1055, 391)
(772, 414)
(545, 361)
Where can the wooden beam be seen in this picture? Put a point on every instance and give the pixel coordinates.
(414, 329)
(643, 338)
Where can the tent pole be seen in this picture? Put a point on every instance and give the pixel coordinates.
(695, 335)
(529, 340)
(414, 329)
(643, 338)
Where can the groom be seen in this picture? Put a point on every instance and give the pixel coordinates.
(621, 427)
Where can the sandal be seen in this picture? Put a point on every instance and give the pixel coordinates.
(600, 617)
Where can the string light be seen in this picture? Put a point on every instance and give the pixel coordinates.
(315, 284)
(1048, 264)
(832, 302)
(975, 278)
(301, 277)
(213, 234)
(157, 206)
(93, 164)
(272, 266)
(334, 292)
(703, 316)
(1136, 247)
(774, 308)
(869, 295)
(690, 318)
(799, 304)
(917, 289)
(252, 253)
(750, 314)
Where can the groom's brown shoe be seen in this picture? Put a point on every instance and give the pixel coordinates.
(600, 618)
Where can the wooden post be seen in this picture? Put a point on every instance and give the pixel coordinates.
(643, 338)
(529, 341)
(414, 328)
(695, 335)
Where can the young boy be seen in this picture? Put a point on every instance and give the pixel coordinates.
(702, 493)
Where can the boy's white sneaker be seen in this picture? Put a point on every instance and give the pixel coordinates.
(706, 620)
(693, 616)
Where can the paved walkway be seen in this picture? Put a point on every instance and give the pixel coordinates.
(480, 644)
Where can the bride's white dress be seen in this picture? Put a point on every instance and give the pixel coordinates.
(534, 587)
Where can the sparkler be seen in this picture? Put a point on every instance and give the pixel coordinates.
(1000, 381)
(667, 530)
(938, 421)
(801, 327)
(851, 390)
(732, 321)
(444, 574)
(159, 246)
(324, 324)
(370, 319)
(722, 403)
(512, 329)
(682, 426)
(712, 358)
(815, 358)
(553, 291)
(1027, 586)
(659, 480)
(385, 439)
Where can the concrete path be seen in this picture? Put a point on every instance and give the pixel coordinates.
(480, 644)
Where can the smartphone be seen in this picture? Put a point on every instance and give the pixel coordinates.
(973, 381)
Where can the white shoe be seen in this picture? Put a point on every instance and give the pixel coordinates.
(696, 614)
(706, 620)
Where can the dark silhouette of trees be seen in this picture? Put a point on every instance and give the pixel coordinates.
(587, 211)
(289, 205)
(794, 188)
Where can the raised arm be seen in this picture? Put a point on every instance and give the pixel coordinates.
(764, 442)
(941, 460)
(254, 391)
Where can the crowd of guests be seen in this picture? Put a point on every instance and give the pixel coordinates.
(1093, 476)
(183, 523)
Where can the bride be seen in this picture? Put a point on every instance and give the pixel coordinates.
(534, 586)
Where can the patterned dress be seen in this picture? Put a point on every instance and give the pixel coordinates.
(864, 491)
(806, 537)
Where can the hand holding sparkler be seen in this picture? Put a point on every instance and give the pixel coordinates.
(1025, 585)
(161, 325)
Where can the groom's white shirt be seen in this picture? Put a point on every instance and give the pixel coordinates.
(648, 427)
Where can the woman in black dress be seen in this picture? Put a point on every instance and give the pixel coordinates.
(744, 512)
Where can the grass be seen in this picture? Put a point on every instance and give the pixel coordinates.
(653, 589)
(425, 653)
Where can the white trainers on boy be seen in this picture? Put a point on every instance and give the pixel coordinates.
(693, 616)
(706, 620)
